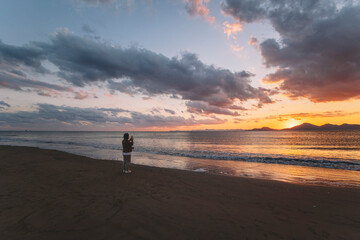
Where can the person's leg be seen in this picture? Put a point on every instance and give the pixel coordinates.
(124, 162)
(129, 161)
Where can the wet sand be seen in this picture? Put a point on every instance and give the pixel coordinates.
(48, 194)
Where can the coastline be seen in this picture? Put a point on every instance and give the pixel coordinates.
(307, 175)
(48, 194)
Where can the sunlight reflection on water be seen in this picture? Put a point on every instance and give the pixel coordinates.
(264, 155)
(285, 173)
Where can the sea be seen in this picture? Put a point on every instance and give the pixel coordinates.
(300, 157)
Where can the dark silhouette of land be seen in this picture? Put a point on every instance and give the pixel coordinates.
(263, 129)
(312, 127)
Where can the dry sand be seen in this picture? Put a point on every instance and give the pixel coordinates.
(49, 194)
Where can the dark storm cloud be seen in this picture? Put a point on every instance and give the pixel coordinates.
(51, 116)
(319, 53)
(84, 61)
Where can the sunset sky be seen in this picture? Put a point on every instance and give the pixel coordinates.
(178, 64)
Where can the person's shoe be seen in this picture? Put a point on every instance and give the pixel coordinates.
(124, 171)
(129, 171)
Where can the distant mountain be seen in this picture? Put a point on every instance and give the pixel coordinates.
(213, 130)
(304, 126)
(325, 127)
(263, 129)
(349, 126)
(311, 127)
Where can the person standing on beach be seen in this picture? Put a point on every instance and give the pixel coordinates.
(127, 149)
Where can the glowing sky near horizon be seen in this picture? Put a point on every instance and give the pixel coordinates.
(178, 65)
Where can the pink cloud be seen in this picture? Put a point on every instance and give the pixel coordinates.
(80, 95)
(198, 8)
(46, 92)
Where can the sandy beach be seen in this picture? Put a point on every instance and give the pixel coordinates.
(48, 194)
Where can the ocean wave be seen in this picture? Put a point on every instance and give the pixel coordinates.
(61, 142)
(333, 148)
(344, 164)
(323, 163)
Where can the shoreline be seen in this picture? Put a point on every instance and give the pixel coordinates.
(296, 174)
(49, 194)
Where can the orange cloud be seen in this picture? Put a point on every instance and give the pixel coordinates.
(232, 29)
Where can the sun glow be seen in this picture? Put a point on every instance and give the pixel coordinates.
(291, 123)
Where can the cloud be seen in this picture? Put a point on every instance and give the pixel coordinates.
(80, 95)
(204, 108)
(4, 105)
(327, 114)
(28, 55)
(169, 111)
(83, 61)
(87, 29)
(18, 82)
(198, 8)
(318, 54)
(155, 110)
(253, 41)
(52, 117)
(238, 120)
(299, 116)
(232, 29)
(236, 47)
(145, 120)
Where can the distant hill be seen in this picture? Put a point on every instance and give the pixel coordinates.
(263, 129)
(311, 127)
(213, 130)
(304, 126)
(325, 127)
